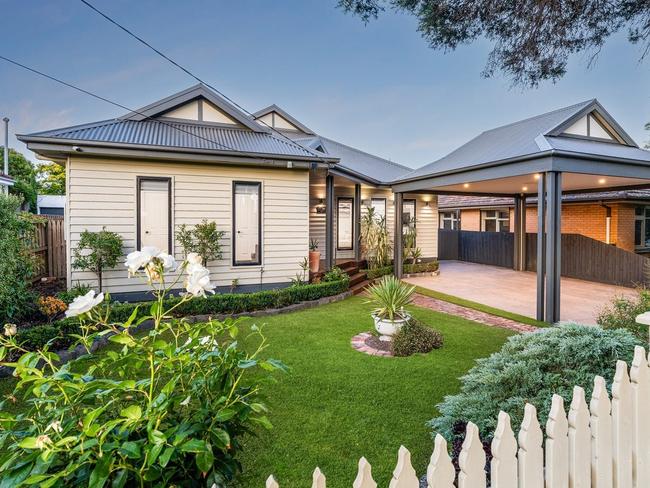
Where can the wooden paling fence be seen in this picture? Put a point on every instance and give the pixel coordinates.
(605, 444)
(48, 245)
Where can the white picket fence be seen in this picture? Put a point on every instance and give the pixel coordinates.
(603, 445)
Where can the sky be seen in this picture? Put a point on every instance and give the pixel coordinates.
(377, 87)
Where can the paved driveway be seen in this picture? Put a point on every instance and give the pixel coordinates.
(515, 291)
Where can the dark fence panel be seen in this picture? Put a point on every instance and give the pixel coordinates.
(448, 244)
(582, 257)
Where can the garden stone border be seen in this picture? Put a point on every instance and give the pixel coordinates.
(70, 354)
(358, 343)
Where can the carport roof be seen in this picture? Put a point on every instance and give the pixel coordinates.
(537, 144)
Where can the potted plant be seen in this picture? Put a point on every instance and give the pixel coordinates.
(389, 297)
(314, 256)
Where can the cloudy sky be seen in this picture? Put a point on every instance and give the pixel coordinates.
(376, 87)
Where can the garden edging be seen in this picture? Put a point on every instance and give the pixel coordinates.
(66, 355)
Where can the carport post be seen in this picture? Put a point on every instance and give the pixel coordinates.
(329, 222)
(541, 255)
(357, 222)
(553, 245)
(520, 233)
(397, 239)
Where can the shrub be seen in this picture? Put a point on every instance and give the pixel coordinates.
(51, 307)
(531, 368)
(204, 239)
(335, 274)
(428, 267)
(228, 303)
(16, 262)
(375, 273)
(167, 408)
(76, 291)
(622, 312)
(97, 251)
(389, 297)
(415, 338)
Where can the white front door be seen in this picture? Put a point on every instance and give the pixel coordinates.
(247, 223)
(154, 214)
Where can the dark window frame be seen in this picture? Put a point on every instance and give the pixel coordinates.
(644, 219)
(138, 232)
(414, 217)
(258, 262)
(338, 227)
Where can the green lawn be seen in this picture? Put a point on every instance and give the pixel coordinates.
(337, 404)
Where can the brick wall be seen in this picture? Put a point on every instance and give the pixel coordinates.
(587, 219)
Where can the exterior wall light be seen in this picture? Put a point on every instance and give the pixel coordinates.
(320, 207)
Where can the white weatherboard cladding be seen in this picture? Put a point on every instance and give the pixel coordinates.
(103, 193)
(213, 114)
(189, 111)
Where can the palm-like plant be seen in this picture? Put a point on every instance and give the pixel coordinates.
(389, 297)
(375, 239)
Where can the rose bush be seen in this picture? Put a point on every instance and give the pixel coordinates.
(166, 408)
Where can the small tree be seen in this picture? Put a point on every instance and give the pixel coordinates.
(97, 251)
(203, 239)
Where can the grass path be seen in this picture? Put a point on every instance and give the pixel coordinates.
(337, 404)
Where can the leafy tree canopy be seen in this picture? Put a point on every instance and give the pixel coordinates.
(51, 179)
(532, 40)
(22, 171)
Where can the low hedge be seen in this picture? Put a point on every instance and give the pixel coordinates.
(428, 267)
(59, 332)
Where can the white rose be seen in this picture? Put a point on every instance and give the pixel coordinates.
(84, 303)
(198, 282)
(168, 261)
(11, 330)
(139, 259)
(194, 258)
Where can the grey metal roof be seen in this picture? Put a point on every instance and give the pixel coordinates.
(177, 134)
(530, 136)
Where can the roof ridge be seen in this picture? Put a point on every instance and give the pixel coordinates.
(541, 115)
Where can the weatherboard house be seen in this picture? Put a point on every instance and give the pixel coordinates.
(272, 184)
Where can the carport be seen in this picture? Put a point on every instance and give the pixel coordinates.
(576, 149)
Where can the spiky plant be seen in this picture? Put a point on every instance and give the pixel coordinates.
(389, 297)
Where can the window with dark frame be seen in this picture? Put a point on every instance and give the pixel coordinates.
(642, 227)
(345, 223)
(247, 223)
(154, 212)
(408, 215)
(495, 220)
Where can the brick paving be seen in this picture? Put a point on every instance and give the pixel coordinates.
(470, 314)
(359, 343)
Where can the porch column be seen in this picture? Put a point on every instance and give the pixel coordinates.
(357, 222)
(520, 233)
(329, 222)
(553, 245)
(541, 254)
(398, 236)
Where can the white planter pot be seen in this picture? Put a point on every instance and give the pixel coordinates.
(388, 328)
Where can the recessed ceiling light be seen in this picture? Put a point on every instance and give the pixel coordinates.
(466, 185)
(537, 176)
(602, 181)
(525, 188)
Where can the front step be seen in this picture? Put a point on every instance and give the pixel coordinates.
(360, 287)
(357, 278)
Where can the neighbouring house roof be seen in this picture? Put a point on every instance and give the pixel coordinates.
(50, 201)
(536, 135)
(451, 202)
(5, 180)
(152, 128)
(274, 108)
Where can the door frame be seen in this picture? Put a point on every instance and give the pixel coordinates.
(138, 239)
(259, 223)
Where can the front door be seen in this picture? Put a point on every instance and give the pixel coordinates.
(247, 223)
(154, 213)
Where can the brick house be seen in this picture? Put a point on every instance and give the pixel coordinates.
(619, 218)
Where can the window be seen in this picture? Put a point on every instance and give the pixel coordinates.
(408, 215)
(154, 213)
(344, 226)
(642, 227)
(379, 206)
(247, 223)
(495, 220)
(449, 221)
